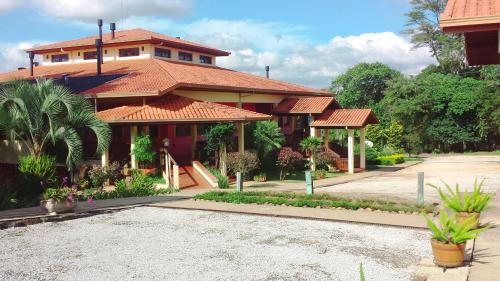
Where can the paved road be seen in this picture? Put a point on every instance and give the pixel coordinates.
(403, 184)
(150, 243)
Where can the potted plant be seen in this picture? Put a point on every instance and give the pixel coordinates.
(449, 238)
(261, 177)
(144, 154)
(466, 205)
(59, 200)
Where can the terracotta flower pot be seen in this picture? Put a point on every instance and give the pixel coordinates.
(59, 206)
(462, 216)
(448, 255)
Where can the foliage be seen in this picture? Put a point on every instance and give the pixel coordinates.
(114, 172)
(301, 200)
(391, 159)
(43, 114)
(60, 194)
(394, 135)
(267, 137)
(38, 169)
(324, 159)
(474, 202)
(361, 272)
(363, 85)
(219, 135)
(451, 232)
(319, 174)
(8, 197)
(371, 155)
(143, 149)
(376, 134)
(261, 177)
(97, 176)
(244, 162)
(288, 160)
(222, 180)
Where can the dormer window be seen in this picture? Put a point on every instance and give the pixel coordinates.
(129, 52)
(90, 55)
(60, 58)
(205, 59)
(163, 53)
(185, 56)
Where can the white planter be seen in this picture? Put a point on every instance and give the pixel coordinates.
(59, 206)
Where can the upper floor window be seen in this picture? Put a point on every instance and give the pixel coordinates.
(129, 52)
(60, 58)
(185, 56)
(164, 53)
(90, 55)
(205, 59)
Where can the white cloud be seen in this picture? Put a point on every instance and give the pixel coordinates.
(6, 5)
(12, 55)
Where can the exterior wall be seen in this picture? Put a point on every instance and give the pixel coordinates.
(232, 97)
(112, 53)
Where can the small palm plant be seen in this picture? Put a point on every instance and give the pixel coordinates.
(310, 146)
(268, 137)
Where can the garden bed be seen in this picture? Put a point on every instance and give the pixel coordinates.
(312, 201)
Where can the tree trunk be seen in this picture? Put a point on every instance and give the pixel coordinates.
(222, 160)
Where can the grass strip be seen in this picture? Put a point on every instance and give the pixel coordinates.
(312, 201)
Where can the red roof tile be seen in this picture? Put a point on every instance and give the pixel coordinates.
(345, 118)
(155, 76)
(462, 13)
(312, 105)
(173, 108)
(129, 36)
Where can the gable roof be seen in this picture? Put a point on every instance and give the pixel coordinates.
(131, 36)
(173, 108)
(310, 105)
(470, 15)
(340, 118)
(150, 77)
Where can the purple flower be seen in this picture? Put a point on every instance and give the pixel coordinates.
(90, 200)
(65, 180)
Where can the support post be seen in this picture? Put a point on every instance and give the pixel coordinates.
(350, 150)
(239, 182)
(241, 137)
(420, 194)
(222, 159)
(166, 174)
(194, 138)
(309, 183)
(362, 149)
(176, 176)
(327, 138)
(105, 158)
(145, 130)
(133, 134)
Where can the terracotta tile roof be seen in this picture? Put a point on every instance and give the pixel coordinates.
(129, 36)
(345, 118)
(155, 76)
(173, 108)
(461, 13)
(313, 105)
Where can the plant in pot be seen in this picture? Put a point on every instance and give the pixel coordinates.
(144, 154)
(60, 200)
(449, 238)
(466, 205)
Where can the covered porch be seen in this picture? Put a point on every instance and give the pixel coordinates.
(175, 125)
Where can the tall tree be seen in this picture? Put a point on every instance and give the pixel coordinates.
(42, 114)
(423, 26)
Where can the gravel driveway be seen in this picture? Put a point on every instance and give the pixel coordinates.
(403, 184)
(164, 244)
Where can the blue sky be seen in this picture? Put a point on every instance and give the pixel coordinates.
(307, 42)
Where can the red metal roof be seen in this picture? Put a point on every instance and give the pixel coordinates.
(340, 118)
(155, 77)
(312, 105)
(130, 36)
(173, 108)
(471, 15)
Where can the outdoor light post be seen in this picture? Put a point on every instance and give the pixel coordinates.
(420, 192)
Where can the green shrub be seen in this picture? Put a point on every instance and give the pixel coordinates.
(38, 169)
(244, 162)
(474, 202)
(97, 176)
(288, 160)
(371, 155)
(114, 172)
(143, 150)
(319, 174)
(8, 197)
(324, 160)
(222, 181)
(60, 194)
(391, 159)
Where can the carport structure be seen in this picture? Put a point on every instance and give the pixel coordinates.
(351, 120)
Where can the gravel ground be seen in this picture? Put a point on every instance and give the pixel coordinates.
(452, 169)
(164, 244)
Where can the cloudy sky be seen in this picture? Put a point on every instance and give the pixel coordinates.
(307, 42)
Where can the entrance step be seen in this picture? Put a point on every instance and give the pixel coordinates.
(190, 178)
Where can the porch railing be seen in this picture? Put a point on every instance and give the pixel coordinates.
(171, 172)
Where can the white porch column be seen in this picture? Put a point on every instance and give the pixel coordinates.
(133, 134)
(105, 158)
(194, 137)
(241, 137)
(362, 149)
(350, 150)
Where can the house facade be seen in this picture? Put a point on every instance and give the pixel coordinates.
(172, 89)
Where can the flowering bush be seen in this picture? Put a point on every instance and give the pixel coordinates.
(97, 176)
(288, 160)
(244, 162)
(324, 159)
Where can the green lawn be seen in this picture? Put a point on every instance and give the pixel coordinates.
(296, 176)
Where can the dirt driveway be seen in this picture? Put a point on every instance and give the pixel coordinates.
(403, 184)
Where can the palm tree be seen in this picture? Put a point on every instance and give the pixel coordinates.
(267, 137)
(310, 146)
(42, 113)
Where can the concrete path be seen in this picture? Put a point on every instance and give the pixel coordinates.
(462, 169)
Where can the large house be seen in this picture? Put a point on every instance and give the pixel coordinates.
(171, 89)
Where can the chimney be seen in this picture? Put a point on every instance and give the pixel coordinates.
(32, 56)
(178, 37)
(98, 46)
(267, 71)
(99, 51)
(112, 27)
